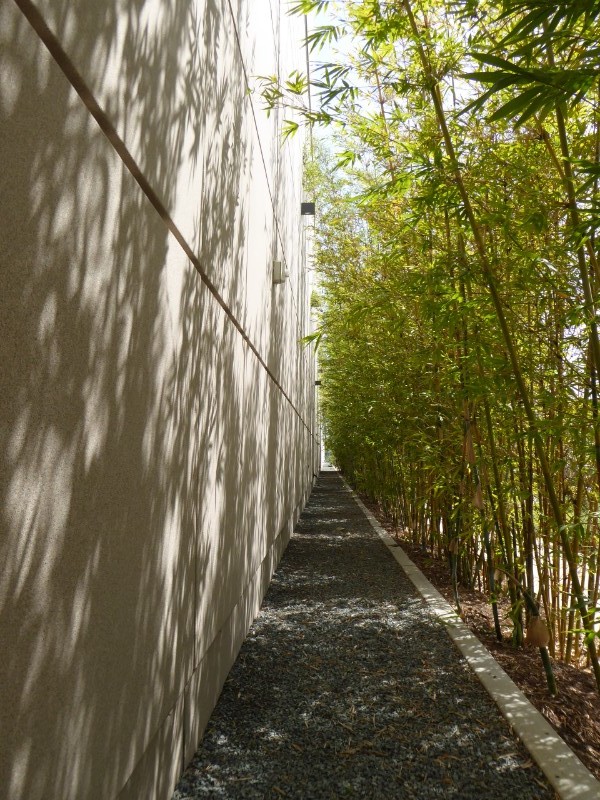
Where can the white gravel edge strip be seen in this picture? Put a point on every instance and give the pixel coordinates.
(569, 777)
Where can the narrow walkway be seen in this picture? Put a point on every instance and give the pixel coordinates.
(347, 687)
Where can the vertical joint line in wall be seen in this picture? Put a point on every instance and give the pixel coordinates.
(184, 732)
(247, 81)
(312, 150)
(262, 155)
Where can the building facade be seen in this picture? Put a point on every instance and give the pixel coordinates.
(157, 405)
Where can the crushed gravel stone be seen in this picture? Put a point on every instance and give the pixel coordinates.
(347, 687)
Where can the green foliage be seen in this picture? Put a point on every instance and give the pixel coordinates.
(540, 90)
(419, 396)
(308, 6)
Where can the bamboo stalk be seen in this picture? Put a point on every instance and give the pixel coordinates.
(488, 274)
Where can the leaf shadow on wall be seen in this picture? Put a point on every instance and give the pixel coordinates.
(124, 412)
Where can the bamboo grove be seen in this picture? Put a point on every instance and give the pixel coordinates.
(458, 258)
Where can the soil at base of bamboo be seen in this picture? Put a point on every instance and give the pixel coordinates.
(575, 713)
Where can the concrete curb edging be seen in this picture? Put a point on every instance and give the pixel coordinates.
(565, 772)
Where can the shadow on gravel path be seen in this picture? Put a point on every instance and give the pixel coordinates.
(346, 687)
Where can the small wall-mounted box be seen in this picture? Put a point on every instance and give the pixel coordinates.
(280, 273)
(307, 209)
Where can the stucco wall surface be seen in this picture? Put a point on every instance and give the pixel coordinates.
(157, 419)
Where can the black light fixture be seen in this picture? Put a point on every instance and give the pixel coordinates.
(307, 209)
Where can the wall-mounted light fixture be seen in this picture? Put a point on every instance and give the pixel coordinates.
(280, 272)
(307, 209)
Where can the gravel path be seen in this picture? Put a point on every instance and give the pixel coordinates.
(346, 687)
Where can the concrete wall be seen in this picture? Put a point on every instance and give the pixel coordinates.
(156, 408)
